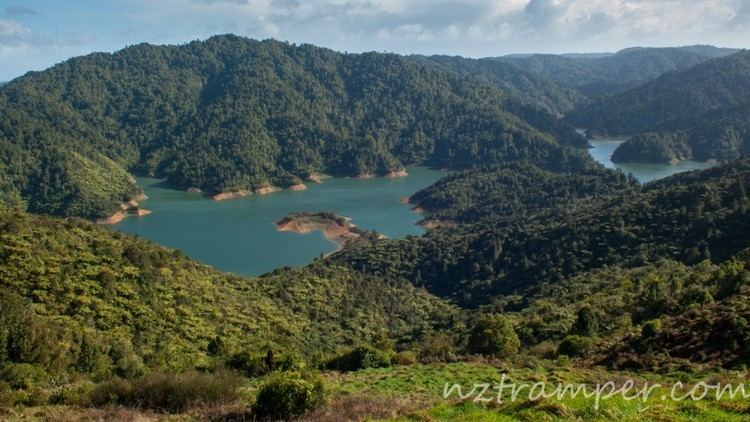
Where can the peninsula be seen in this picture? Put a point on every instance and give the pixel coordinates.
(334, 227)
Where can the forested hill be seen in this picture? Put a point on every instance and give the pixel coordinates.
(78, 298)
(231, 113)
(536, 90)
(701, 113)
(548, 227)
(603, 75)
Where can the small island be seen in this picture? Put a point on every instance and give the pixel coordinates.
(334, 227)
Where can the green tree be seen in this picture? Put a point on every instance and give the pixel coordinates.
(494, 335)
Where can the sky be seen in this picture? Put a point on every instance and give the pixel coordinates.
(35, 34)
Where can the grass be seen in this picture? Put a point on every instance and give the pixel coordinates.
(414, 393)
(425, 383)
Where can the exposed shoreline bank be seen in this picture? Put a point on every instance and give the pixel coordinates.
(131, 208)
(336, 229)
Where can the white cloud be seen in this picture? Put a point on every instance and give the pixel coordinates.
(465, 27)
(13, 33)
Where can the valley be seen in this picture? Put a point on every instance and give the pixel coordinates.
(232, 229)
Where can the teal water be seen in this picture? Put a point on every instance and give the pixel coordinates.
(603, 149)
(239, 235)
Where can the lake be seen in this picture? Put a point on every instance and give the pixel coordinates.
(239, 235)
(603, 149)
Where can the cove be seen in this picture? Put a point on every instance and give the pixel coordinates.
(240, 236)
(602, 149)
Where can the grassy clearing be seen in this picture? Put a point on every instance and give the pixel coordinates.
(425, 383)
(415, 393)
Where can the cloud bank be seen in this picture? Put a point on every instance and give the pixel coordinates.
(466, 27)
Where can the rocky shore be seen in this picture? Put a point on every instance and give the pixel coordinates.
(335, 228)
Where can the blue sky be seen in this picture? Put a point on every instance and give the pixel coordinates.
(35, 34)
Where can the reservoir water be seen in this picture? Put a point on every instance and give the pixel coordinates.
(240, 236)
(603, 149)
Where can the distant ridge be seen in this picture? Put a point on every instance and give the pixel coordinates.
(701, 113)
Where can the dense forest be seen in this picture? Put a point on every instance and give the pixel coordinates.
(124, 306)
(547, 230)
(700, 113)
(533, 89)
(230, 114)
(603, 75)
(591, 266)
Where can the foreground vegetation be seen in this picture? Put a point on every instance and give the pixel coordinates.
(416, 393)
(94, 318)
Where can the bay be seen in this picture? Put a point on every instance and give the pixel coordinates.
(240, 236)
(602, 150)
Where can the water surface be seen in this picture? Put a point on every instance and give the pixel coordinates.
(239, 235)
(604, 148)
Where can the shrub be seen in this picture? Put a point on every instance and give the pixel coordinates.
(257, 365)
(288, 395)
(362, 357)
(406, 357)
(493, 335)
(251, 365)
(573, 346)
(114, 391)
(587, 322)
(6, 395)
(23, 376)
(74, 395)
(437, 348)
(651, 328)
(169, 392)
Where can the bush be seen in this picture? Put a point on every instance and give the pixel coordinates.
(23, 376)
(257, 365)
(169, 392)
(251, 365)
(404, 358)
(651, 328)
(288, 395)
(114, 391)
(437, 348)
(587, 322)
(362, 357)
(73, 395)
(494, 335)
(6, 395)
(573, 346)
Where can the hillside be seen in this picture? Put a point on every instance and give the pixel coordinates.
(233, 114)
(538, 263)
(534, 238)
(123, 306)
(604, 75)
(700, 114)
(535, 90)
(586, 267)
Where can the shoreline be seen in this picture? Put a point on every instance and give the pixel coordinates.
(130, 208)
(223, 196)
(336, 229)
(313, 178)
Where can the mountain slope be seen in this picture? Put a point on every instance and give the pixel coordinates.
(230, 114)
(534, 237)
(118, 304)
(701, 113)
(601, 76)
(537, 91)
